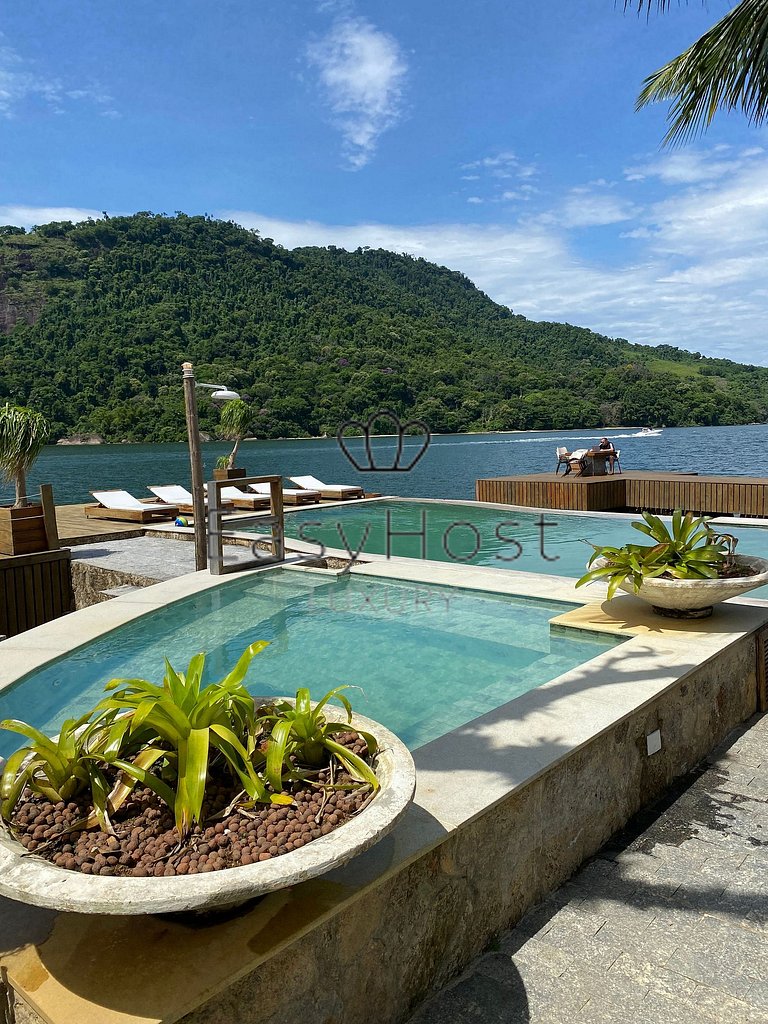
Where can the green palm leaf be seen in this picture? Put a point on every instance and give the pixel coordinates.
(726, 69)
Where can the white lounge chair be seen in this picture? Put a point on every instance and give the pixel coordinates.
(181, 497)
(123, 505)
(241, 499)
(337, 492)
(290, 496)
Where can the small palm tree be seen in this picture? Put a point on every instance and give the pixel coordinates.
(23, 435)
(236, 420)
(726, 69)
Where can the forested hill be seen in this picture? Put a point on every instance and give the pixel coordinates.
(96, 318)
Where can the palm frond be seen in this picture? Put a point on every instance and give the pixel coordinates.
(646, 5)
(726, 69)
(23, 435)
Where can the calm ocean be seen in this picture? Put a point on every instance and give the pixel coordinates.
(447, 470)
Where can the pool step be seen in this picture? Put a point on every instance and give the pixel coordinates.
(121, 591)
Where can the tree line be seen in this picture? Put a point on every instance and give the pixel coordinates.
(96, 319)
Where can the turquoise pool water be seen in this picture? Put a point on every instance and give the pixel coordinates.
(465, 534)
(428, 658)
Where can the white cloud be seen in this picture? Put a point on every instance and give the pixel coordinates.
(699, 262)
(691, 166)
(19, 83)
(362, 72)
(28, 216)
(474, 199)
(497, 171)
(583, 208)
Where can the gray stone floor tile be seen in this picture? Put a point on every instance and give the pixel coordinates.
(598, 984)
(476, 998)
(728, 1009)
(713, 969)
(540, 953)
(655, 977)
(758, 993)
(660, 1008)
(636, 867)
(541, 918)
(602, 1011)
(589, 951)
(535, 981)
(655, 942)
(664, 926)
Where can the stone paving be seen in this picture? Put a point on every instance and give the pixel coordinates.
(668, 923)
(155, 558)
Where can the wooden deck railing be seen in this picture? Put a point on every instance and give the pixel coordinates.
(634, 491)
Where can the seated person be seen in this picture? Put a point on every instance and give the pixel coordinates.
(606, 445)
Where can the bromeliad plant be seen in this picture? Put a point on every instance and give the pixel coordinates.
(190, 726)
(301, 738)
(690, 550)
(169, 737)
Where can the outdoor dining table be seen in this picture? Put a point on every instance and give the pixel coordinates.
(595, 462)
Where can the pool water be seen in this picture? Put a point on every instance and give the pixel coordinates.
(552, 543)
(428, 658)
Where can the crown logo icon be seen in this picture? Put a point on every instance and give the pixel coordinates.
(400, 429)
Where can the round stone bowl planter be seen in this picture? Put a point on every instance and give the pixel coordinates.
(30, 879)
(694, 599)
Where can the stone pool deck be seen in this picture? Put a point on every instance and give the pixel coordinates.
(668, 922)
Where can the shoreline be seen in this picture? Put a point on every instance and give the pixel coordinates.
(72, 443)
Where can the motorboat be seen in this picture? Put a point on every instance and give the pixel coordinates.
(649, 432)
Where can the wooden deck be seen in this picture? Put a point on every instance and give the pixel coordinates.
(76, 528)
(633, 491)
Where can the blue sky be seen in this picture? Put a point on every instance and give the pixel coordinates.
(495, 137)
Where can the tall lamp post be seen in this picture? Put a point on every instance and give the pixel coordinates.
(219, 394)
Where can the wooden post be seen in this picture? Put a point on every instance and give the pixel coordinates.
(49, 517)
(195, 464)
(276, 510)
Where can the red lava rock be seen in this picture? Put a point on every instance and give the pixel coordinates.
(147, 843)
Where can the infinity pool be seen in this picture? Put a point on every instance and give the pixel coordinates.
(428, 658)
(477, 535)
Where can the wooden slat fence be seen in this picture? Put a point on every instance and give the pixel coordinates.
(34, 589)
(655, 492)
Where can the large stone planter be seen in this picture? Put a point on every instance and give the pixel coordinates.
(694, 599)
(30, 879)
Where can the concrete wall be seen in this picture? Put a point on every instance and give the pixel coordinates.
(401, 939)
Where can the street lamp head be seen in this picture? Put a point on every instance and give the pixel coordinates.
(224, 395)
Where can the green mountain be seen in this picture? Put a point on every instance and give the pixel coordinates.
(96, 318)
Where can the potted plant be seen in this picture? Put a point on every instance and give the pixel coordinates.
(184, 796)
(236, 420)
(687, 569)
(23, 434)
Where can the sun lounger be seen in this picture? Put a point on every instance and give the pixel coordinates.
(290, 496)
(122, 505)
(241, 499)
(337, 492)
(182, 498)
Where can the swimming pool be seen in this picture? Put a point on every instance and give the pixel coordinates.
(428, 658)
(551, 543)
